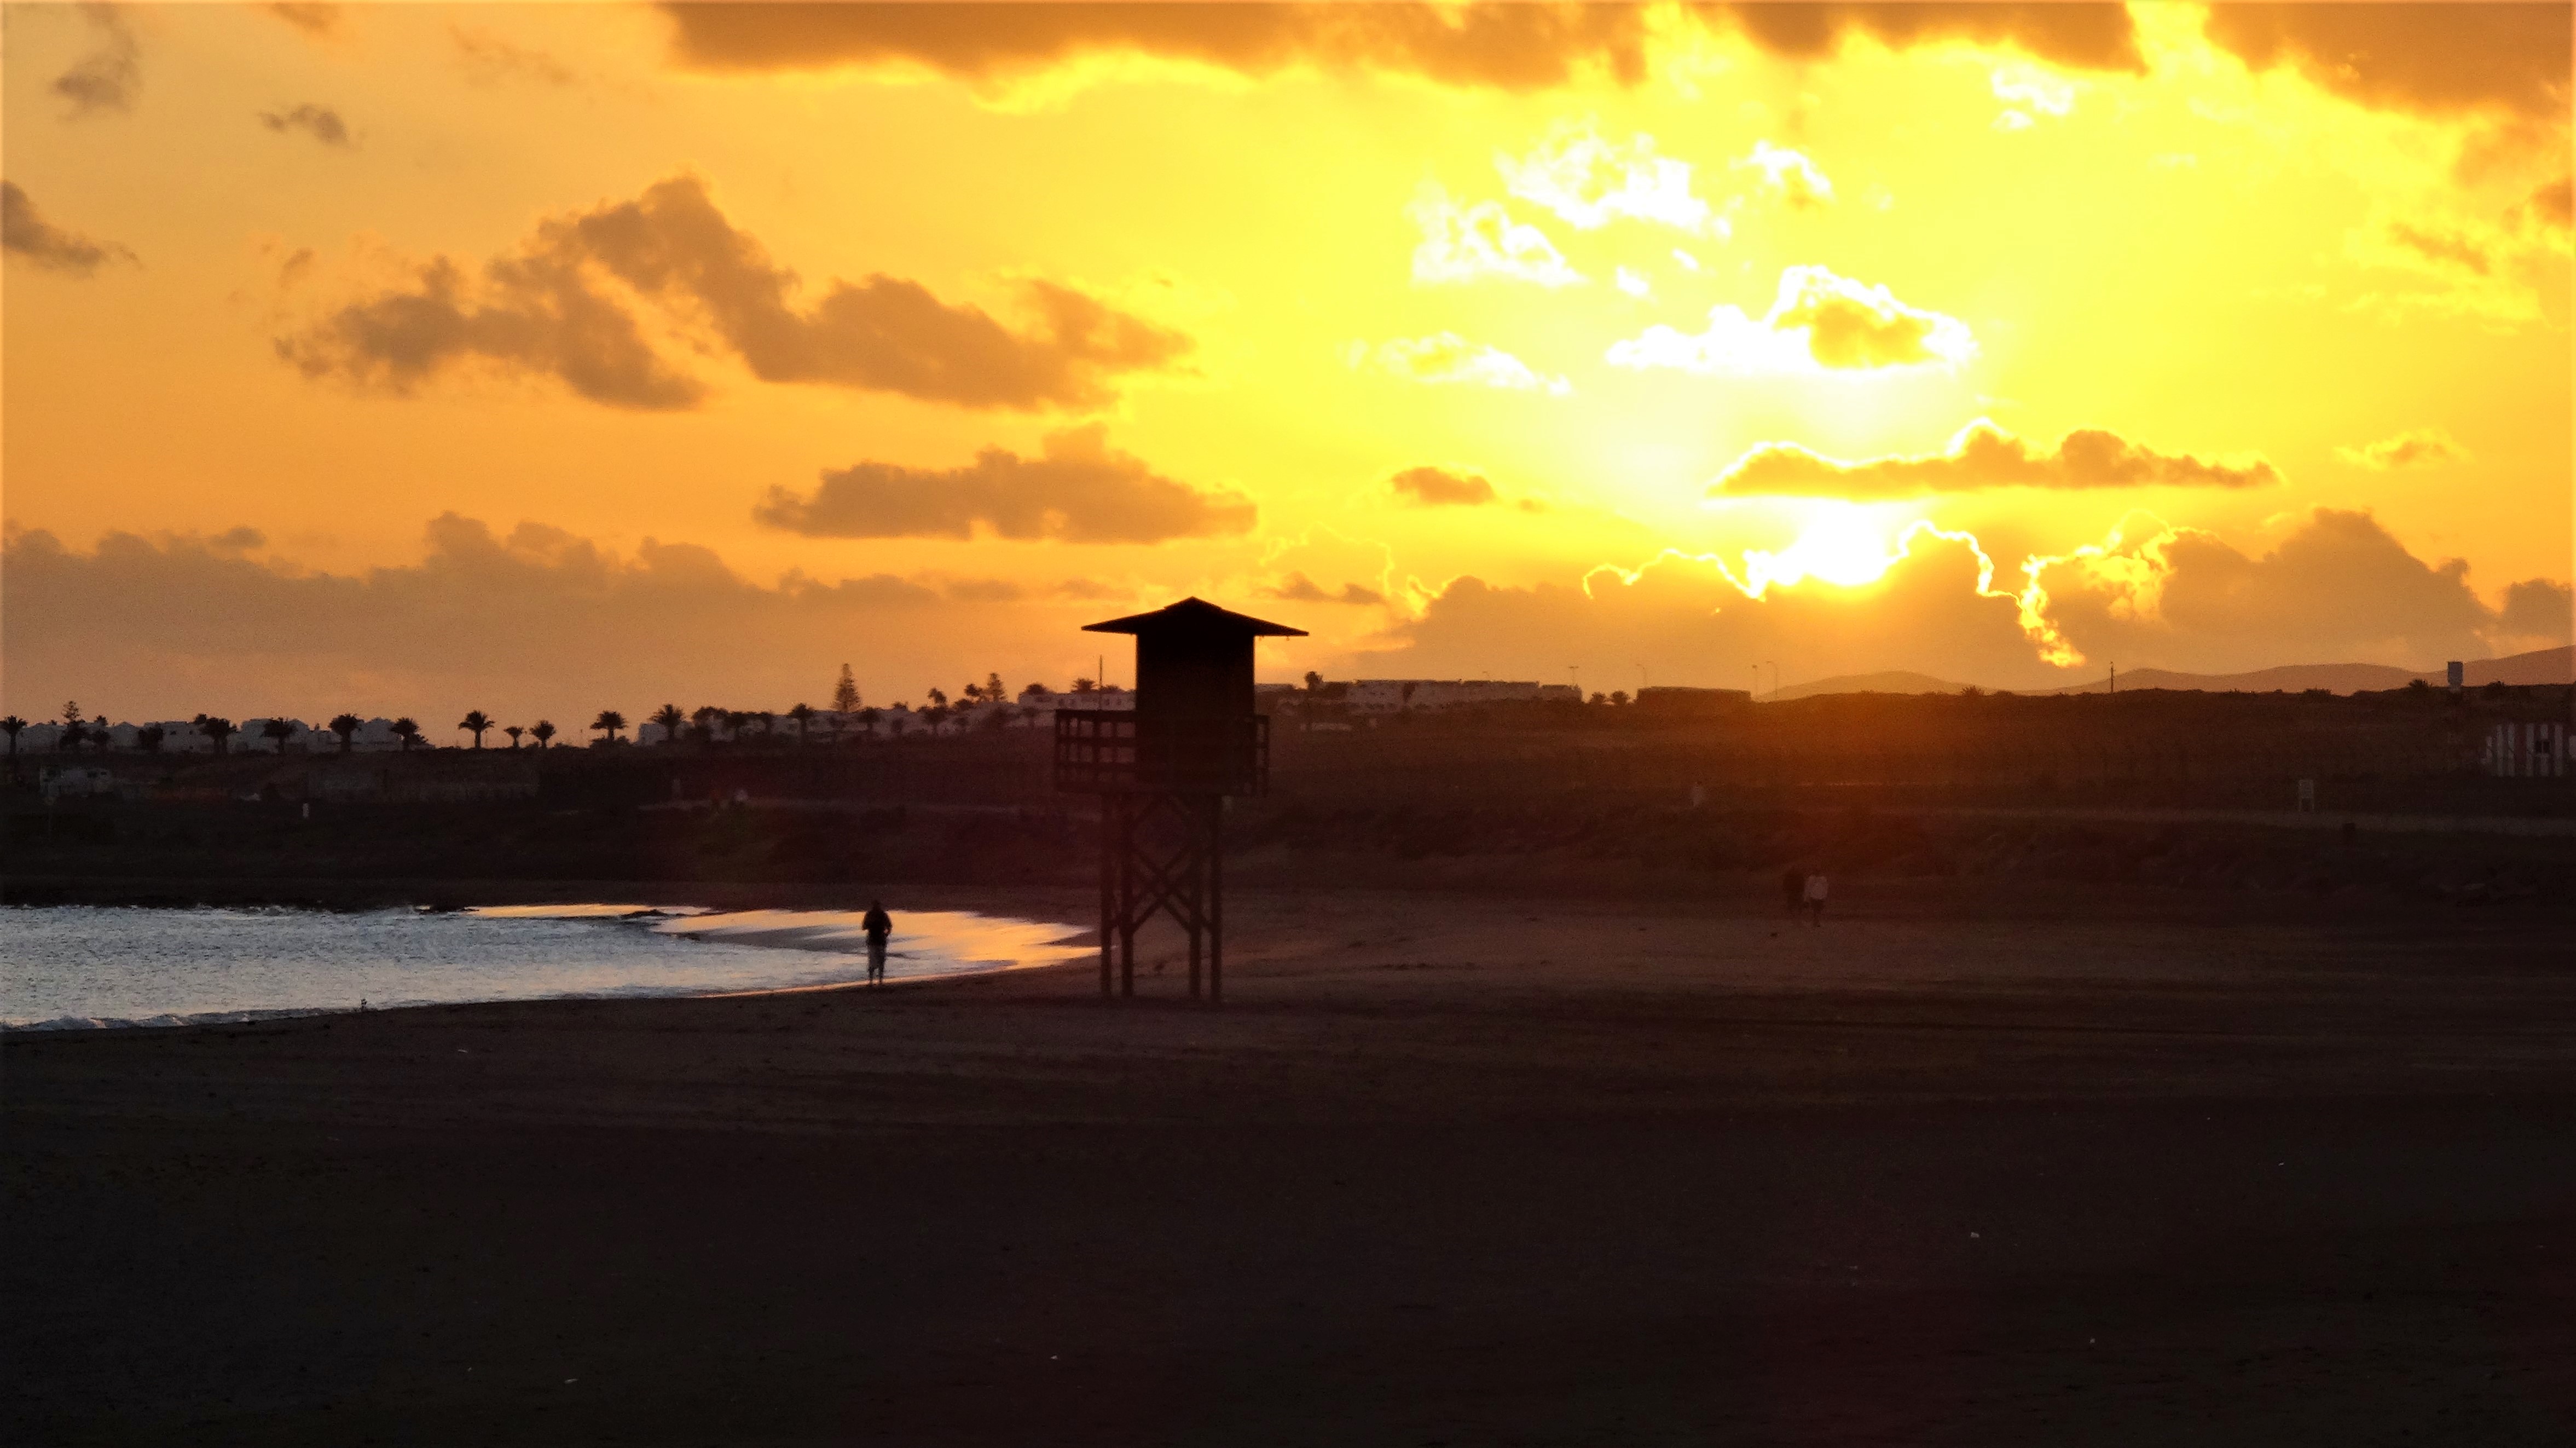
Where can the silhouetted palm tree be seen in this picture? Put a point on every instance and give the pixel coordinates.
(670, 718)
(543, 730)
(10, 726)
(708, 718)
(149, 738)
(803, 714)
(215, 727)
(868, 719)
(474, 723)
(407, 731)
(608, 723)
(768, 724)
(279, 730)
(514, 731)
(347, 727)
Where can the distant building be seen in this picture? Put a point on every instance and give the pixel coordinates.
(76, 781)
(2543, 750)
(1398, 696)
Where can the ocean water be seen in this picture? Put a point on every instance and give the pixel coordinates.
(71, 966)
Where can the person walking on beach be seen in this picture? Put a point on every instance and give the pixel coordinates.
(878, 924)
(1815, 895)
(1793, 891)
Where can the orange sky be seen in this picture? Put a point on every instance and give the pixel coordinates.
(549, 359)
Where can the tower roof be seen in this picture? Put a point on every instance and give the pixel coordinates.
(1195, 616)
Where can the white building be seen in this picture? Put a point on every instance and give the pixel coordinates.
(2530, 751)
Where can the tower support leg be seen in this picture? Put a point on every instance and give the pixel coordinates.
(1216, 900)
(1110, 853)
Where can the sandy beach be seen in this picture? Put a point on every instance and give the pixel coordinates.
(1954, 1168)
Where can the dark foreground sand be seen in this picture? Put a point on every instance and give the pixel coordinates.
(1442, 1171)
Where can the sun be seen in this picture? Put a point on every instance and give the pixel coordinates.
(1845, 544)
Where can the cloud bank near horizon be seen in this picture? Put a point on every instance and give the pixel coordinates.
(522, 622)
(539, 618)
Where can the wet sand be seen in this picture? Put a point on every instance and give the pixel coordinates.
(2117, 1169)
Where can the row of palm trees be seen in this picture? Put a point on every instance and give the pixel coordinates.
(988, 701)
(76, 731)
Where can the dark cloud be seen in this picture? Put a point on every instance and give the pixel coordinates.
(544, 309)
(2539, 609)
(530, 621)
(28, 236)
(320, 122)
(535, 313)
(316, 20)
(1441, 487)
(2338, 589)
(2081, 36)
(489, 59)
(2552, 204)
(2432, 59)
(1984, 456)
(1516, 47)
(1080, 490)
(1298, 588)
(107, 78)
(1512, 47)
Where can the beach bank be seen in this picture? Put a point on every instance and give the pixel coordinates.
(1442, 1169)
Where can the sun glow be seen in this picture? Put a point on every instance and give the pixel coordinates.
(1840, 543)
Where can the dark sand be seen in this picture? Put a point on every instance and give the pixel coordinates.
(2116, 1170)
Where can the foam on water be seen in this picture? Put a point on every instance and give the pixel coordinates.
(75, 966)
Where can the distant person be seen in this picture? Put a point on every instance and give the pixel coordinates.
(879, 925)
(1793, 891)
(1815, 898)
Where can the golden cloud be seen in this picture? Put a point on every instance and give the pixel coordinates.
(1983, 456)
(2416, 448)
(2338, 588)
(2432, 59)
(1590, 182)
(1078, 490)
(1446, 359)
(548, 309)
(1433, 487)
(1512, 47)
(1817, 321)
(1472, 243)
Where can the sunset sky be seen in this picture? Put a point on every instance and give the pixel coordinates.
(412, 359)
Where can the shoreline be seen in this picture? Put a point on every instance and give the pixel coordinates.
(1069, 936)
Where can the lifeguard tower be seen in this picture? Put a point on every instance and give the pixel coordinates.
(1163, 771)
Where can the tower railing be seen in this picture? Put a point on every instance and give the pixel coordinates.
(1121, 751)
